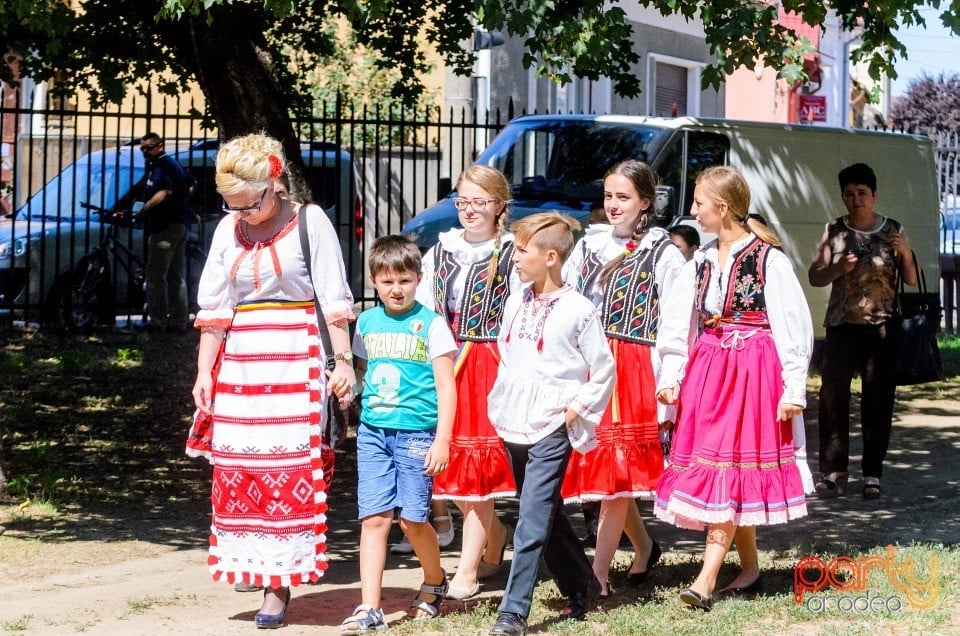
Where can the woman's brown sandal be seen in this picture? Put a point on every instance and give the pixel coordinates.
(831, 485)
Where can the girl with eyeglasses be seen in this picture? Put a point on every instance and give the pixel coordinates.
(467, 278)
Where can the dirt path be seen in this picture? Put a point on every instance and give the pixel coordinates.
(97, 573)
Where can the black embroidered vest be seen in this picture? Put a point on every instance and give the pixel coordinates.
(481, 304)
(743, 299)
(631, 303)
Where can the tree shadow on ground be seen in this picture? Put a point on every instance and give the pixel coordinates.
(96, 425)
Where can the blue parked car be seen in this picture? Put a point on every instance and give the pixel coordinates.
(48, 240)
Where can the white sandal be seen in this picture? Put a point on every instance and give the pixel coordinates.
(371, 621)
(444, 538)
(431, 609)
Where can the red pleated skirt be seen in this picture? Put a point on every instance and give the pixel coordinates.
(628, 459)
(731, 459)
(479, 466)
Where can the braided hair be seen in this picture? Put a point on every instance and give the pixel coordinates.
(645, 182)
(724, 184)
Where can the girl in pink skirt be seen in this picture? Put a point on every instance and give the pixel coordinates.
(743, 381)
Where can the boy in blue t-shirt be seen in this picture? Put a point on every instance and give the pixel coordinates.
(409, 400)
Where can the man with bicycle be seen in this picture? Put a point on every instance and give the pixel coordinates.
(166, 214)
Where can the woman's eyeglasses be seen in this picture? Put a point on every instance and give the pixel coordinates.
(230, 210)
(476, 204)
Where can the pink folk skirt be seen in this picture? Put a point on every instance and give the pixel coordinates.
(731, 459)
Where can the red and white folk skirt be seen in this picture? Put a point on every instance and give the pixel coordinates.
(628, 459)
(271, 472)
(479, 467)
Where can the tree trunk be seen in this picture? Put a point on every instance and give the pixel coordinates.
(236, 71)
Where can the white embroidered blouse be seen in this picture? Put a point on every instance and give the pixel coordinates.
(238, 270)
(554, 356)
(791, 326)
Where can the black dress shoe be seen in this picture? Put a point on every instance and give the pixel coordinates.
(695, 599)
(636, 578)
(589, 540)
(509, 625)
(745, 592)
(579, 604)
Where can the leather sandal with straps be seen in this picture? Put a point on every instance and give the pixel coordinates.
(429, 608)
(366, 620)
(831, 485)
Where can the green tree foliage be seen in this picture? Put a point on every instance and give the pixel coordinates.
(357, 82)
(930, 105)
(250, 57)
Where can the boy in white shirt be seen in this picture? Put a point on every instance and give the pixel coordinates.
(555, 378)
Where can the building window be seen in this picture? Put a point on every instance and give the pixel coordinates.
(674, 86)
(670, 90)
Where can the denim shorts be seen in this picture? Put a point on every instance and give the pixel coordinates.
(391, 472)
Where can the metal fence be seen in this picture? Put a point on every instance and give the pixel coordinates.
(403, 161)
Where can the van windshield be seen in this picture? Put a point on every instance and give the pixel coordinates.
(88, 180)
(566, 160)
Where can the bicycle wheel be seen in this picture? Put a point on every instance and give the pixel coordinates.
(88, 301)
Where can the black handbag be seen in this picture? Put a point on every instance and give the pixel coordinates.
(337, 422)
(912, 335)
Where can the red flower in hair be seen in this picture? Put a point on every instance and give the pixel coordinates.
(276, 166)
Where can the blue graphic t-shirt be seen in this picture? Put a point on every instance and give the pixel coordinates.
(399, 391)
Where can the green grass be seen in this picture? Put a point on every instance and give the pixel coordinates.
(654, 608)
(950, 353)
(142, 604)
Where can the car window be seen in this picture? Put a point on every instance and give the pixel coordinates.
(566, 159)
(704, 149)
(88, 180)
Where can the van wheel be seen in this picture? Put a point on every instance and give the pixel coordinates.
(87, 300)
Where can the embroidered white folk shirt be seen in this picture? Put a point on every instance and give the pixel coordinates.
(554, 356)
(791, 326)
(600, 240)
(273, 270)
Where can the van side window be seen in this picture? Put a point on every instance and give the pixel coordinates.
(704, 149)
(690, 153)
(670, 172)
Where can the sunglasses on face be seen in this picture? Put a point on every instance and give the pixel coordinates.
(148, 147)
(230, 210)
